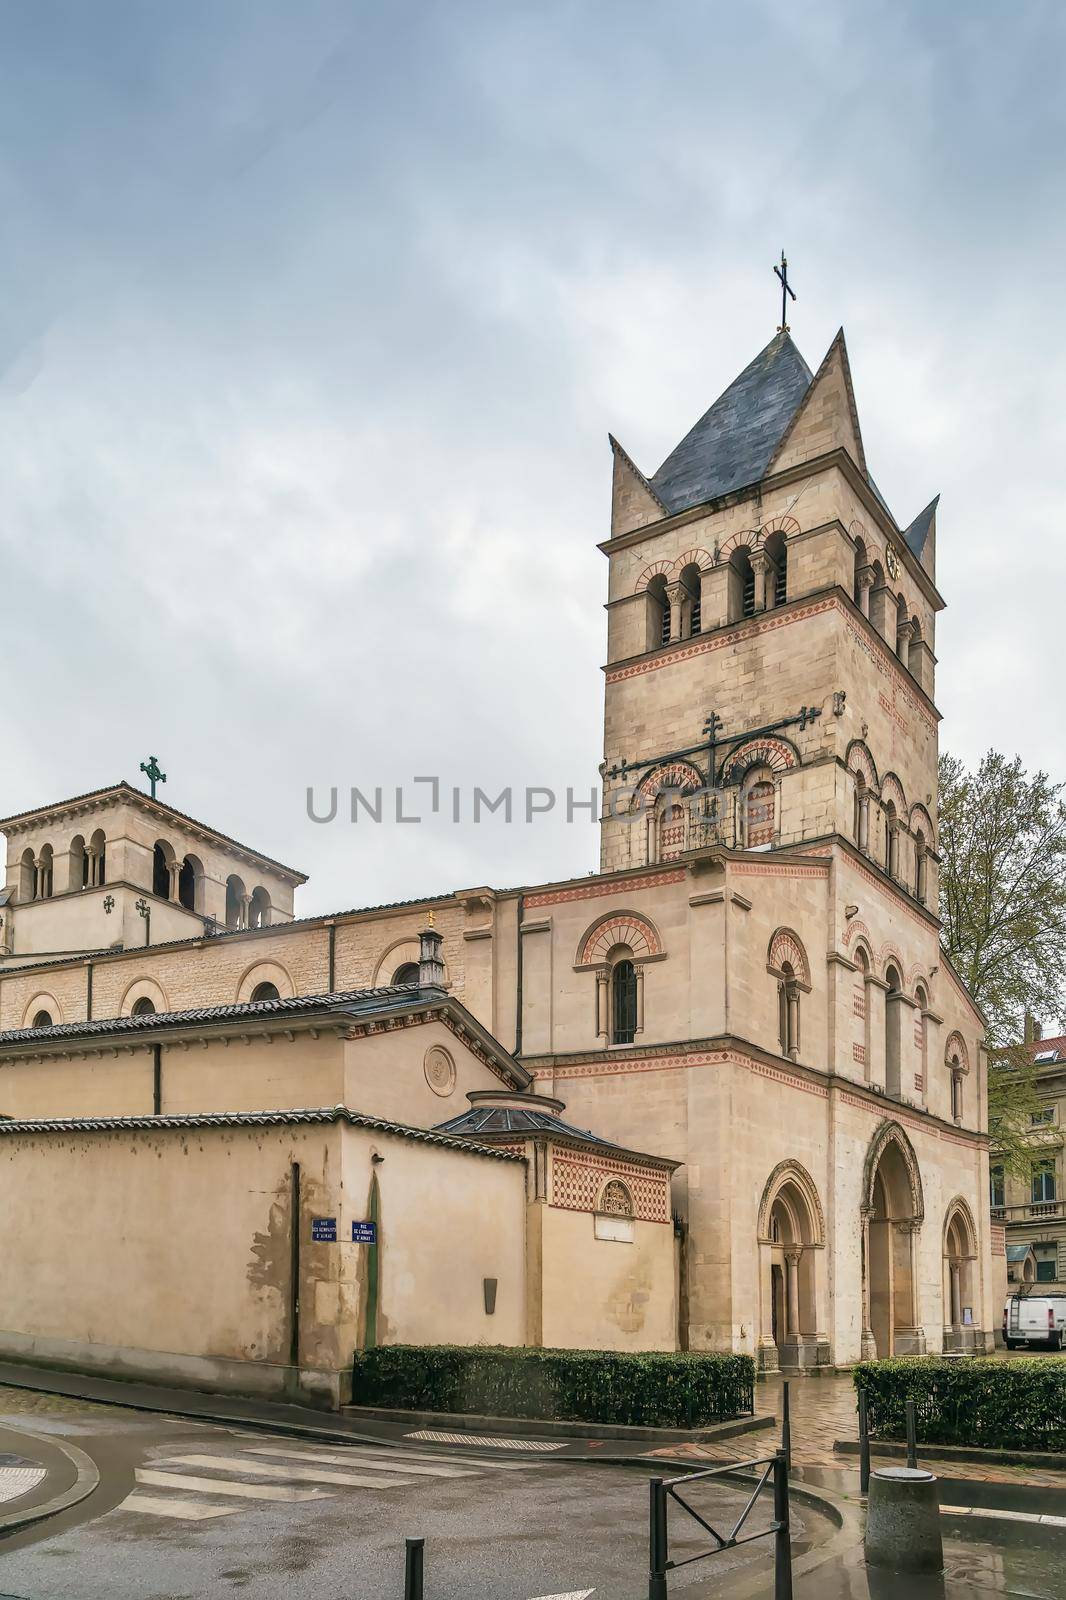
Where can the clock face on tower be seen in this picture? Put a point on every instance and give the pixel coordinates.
(892, 563)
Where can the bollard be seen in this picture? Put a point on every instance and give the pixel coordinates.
(657, 1542)
(903, 1521)
(912, 1436)
(413, 1569)
(864, 1445)
(786, 1427)
(783, 1536)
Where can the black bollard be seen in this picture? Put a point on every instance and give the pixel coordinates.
(783, 1535)
(864, 1445)
(413, 1569)
(912, 1435)
(657, 1542)
(786, 1427)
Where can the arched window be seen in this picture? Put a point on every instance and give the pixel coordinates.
(98, 858)
(921, 1033)
(144, 1007)
(903, 629)
(616, 1200)
(79, 863)
(914, 650)
(658, 613)
(859, 588)
(741, 584)
(881, 609)
(623, 1001)
(27, 875)
(757, 798)
(42, 1019)
(891, 839)
(895, 1007)
(788, 995)
(259, 910)
(692, 619)
(863, 1006)
(44, 873)
(956, 1088)
(671, 831)
(162, 857)
(919, 866)
(862, 813)
(190, 883)
(265, 991)
(408, 973)
(777, 577)
(236, 902)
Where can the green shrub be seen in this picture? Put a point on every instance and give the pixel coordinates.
(993, 1405)
(681, 1390)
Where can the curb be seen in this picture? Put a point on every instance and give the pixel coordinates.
(87, 1479)
(533, 1428)
(1044, 1460)
(51, 1381)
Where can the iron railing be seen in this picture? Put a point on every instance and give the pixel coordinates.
(663, 1490)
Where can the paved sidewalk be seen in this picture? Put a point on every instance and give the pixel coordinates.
(824, 1410)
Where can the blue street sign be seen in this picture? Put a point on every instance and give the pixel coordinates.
(364, 1233)
(323, 1230)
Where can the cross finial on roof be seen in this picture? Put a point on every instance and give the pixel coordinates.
(786, 290)
(153, 773)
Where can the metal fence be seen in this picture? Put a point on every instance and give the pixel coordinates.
(663, 1490)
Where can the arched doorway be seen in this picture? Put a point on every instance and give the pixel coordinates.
(791, 1234)
(893, 1210)
(960, 1279)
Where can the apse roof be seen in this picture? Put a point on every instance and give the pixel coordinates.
(515, 1119)
(734, 442)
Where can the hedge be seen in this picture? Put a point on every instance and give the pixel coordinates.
(674, 1390)
(993, 1405)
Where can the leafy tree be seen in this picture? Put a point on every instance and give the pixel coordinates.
(1003, 908)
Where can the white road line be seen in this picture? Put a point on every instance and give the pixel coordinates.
(571, 1594)
(372, 1461)
(484, 1440)
(243, 1491)
(186, 1510)
(264, 1469)
(1002, 1516)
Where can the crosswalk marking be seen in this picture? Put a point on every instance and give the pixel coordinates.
(15, 1481)
(265, 1469)
(483, 1440)
(371, 1461)
(572, 1594)
(243, 1491)
(171, 1506)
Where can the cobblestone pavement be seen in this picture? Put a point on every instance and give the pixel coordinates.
(822, 1411)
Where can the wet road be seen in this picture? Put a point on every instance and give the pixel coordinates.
(191, 1509)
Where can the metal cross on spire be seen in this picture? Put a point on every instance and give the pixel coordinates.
(153, 773)
(786, 290)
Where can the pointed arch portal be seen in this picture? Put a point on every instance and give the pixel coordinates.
(893, 1210)
(793, 1310)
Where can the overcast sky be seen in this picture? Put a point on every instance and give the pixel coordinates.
(314, 319)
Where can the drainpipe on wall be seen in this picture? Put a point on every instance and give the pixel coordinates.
(294, 1268)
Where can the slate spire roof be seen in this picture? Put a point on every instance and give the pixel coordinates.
(918, 532)
(734, 442)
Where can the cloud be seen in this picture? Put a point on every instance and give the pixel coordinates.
(312, 328)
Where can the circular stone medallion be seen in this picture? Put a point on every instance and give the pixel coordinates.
(440, 1070)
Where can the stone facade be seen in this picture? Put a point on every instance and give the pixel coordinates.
(752, 984)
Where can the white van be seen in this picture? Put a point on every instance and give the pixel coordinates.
(1035, 1318)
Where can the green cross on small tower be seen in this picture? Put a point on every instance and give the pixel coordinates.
(152, 772)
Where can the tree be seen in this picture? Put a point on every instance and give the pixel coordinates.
(1003, 889)
(1003, 909)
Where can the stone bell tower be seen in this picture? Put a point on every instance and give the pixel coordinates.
(770, 636)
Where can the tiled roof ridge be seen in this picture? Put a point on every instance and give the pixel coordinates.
(252, 1119)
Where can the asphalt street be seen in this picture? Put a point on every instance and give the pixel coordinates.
(188, 1510)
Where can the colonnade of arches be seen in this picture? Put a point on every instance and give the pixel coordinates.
(86, 867)
(793, 1327)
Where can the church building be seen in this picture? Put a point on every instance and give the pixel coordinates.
(727, 1093)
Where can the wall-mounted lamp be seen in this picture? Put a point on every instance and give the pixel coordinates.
(376, 1159)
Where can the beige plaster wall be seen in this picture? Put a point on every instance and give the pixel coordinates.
(603, 1294)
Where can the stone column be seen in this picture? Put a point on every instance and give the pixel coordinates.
(676, 595)
(638, 974)
(904, 635)
(174, 871)
(763, 569)
(864, 824)
(244, 915)
(602, 1002)
(791, 1260)
(867, 1345)
(955, 1276)
(865, 582)
(767, 1357)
